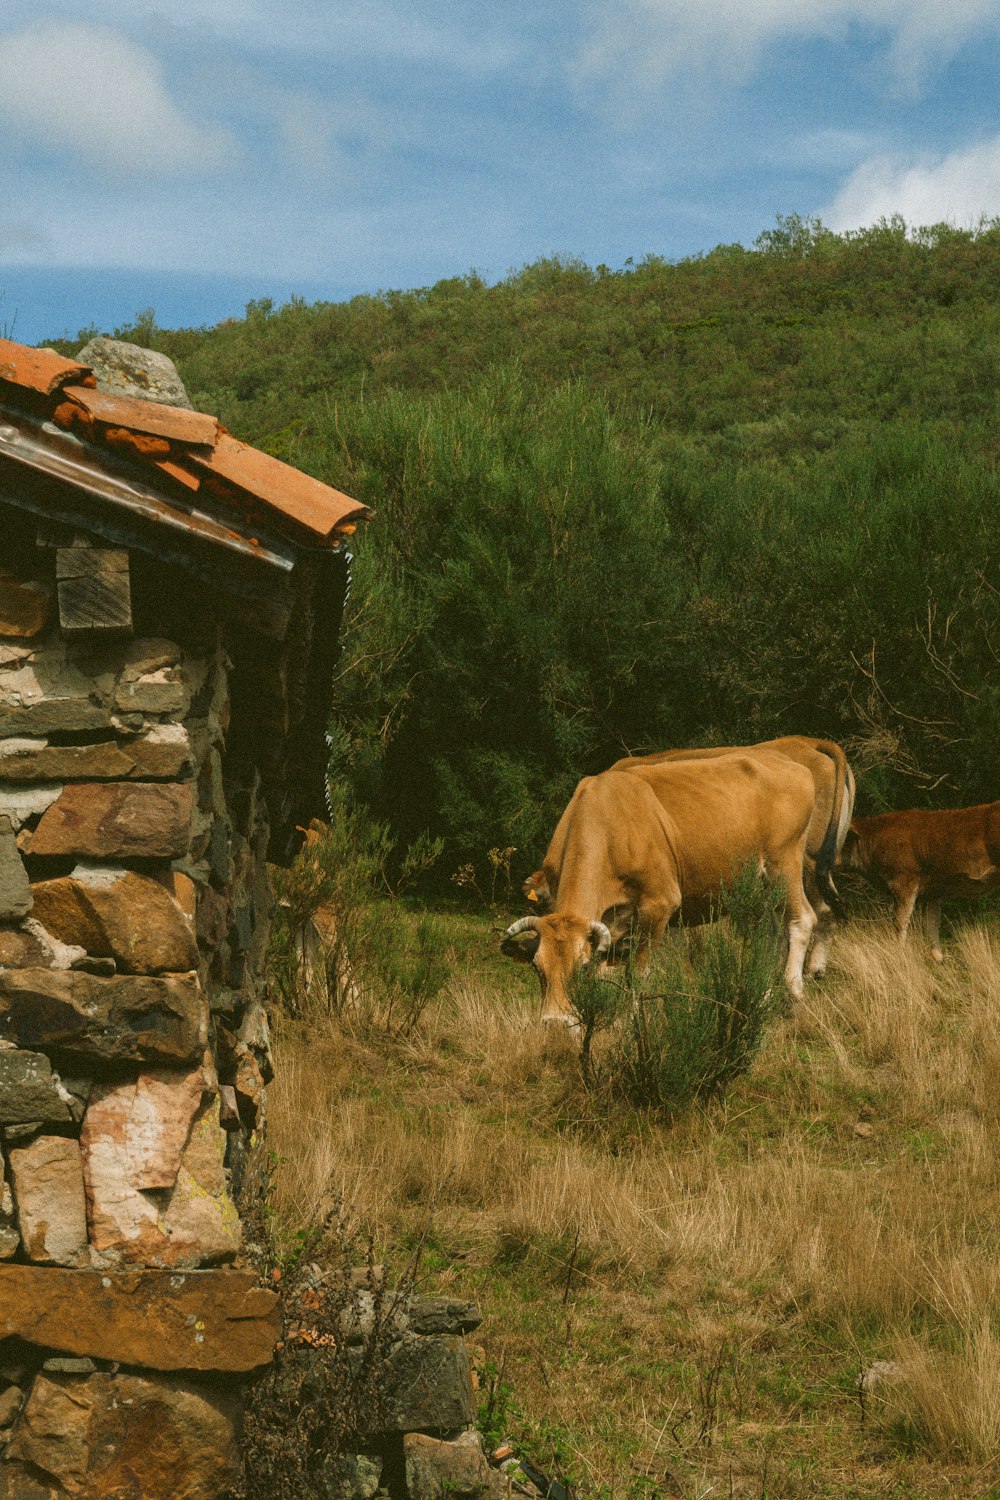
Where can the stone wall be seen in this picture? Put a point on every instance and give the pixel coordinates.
(134, 911)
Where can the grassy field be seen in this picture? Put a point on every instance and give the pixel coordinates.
(687, 1310)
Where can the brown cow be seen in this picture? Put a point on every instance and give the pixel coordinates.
(835, 791)
(633, 846)
(927, 856)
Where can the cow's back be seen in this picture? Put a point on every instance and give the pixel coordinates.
(833, 781)
(723, 810)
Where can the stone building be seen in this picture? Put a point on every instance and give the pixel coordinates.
(170, 602)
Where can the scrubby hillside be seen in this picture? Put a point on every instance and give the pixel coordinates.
(749, 494)
(744, 495)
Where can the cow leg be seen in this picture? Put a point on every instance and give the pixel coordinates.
(905, 892)
(819, 953)
(823, 932)
(653, 917)
(932, 929)
(800, 924)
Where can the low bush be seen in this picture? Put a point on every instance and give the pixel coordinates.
(342, 943)
(698, 1020)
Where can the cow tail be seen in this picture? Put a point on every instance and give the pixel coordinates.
(826, 856)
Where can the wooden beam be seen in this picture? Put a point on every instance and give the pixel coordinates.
(94, 591)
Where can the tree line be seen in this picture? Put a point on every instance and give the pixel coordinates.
(746, 494)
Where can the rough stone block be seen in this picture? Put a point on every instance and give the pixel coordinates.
(15, 888)
(30, 1091)
(20, 949)
(116, 820)
(458, 1469)
(160, 692)
(11, 1401)
(10, 1239)
(127, 369)
(430, 1315)
(156, 1192)
(140, 1129)
(21, 804)
(123, 1435)
(162, 754)
(119, 914)
(48, 692)
(216, 1320)
(352, 1476)
(429, 1385)
(129, 1018)
(51, 1209)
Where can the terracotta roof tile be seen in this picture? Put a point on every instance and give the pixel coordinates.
(178, 423)
(39, 369)
(188, 447)
(298, 496)
(179, 473)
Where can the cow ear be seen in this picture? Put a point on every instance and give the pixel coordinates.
(536, 890)
(522, 947)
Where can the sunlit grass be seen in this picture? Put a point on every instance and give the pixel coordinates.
(841, 1205)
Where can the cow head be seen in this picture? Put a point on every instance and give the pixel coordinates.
(538, 892)
(851, 856)
(556, 946)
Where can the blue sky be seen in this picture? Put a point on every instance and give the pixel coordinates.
(189, 156)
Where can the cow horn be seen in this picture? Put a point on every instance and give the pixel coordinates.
(599, 936)
(521, 925)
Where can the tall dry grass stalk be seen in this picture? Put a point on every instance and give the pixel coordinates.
(950, 1399)
(851, 1176)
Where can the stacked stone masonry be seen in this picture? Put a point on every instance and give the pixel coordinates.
(134, 910)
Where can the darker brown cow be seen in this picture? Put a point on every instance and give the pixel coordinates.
(926, 857)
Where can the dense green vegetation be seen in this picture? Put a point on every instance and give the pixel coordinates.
(748, 494)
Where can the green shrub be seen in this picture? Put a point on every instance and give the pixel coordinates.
(342, 941)
(699, 1018)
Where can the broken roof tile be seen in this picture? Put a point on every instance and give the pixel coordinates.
(190, 448)
(179, 473)
(40, 370)
(298, 496)
(177, 423)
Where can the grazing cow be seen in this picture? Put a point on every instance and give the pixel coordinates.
(635, 846)
(835, 790)
(927, 856)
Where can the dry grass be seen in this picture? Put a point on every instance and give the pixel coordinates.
(840, 1206)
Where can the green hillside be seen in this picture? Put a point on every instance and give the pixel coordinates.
(746, 494)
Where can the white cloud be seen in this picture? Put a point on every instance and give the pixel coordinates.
(653, 41)
(89, 92)
(959, 188)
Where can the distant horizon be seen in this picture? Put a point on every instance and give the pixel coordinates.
(49, 303)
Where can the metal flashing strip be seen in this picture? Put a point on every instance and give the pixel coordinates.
(48, 451)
